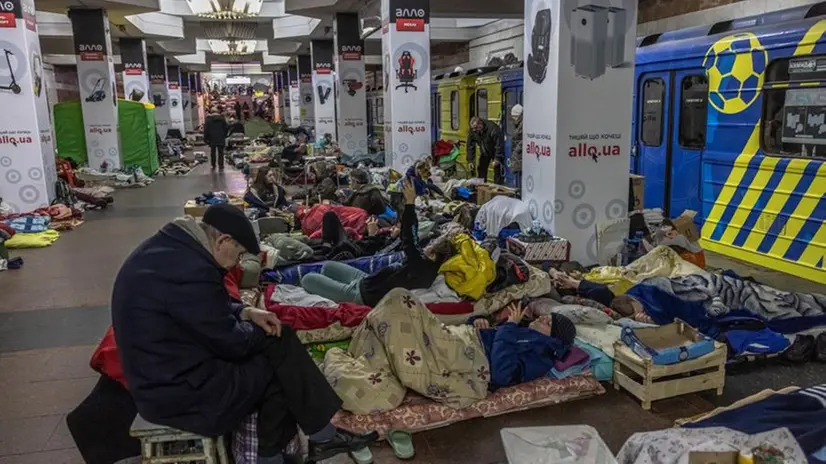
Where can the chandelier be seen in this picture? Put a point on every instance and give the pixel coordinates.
(226, 9)
(229, 30)
(232, 47)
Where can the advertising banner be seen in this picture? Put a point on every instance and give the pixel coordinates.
(351, 105)
(406, 68)
(98, 94)
(27, 164)
(579, 63)
(176, 111)
(323, 82)
(305, 88)
(186, 102)
(293, 105)
(160, 94)
(135, 78)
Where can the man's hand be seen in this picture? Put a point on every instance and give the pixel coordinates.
(264, 319)
(481, 323)
(409, 191)
(516, 312)
(372, 226)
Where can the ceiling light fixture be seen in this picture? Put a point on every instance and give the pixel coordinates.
(232, 47)
(226, 9)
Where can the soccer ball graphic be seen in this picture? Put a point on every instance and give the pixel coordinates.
(735, 67)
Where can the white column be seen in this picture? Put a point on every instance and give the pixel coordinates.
(351, 101)
(186, 102)
(135, 80)
(406, 58)
(160, 93)
(176, 105)
(577, 123)
(305, 89)
(295, 106)
(324, 97)
(96, 79)
(27, 158)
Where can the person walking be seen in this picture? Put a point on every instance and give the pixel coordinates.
(215, 135)
(516, 146)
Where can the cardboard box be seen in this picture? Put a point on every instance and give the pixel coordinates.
(636, 193)
(713, 457)
(191, 208)
(486, 192)
(684, 225)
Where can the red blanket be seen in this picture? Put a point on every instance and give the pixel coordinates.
(351, 218)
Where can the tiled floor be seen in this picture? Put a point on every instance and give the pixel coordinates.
(55, 309)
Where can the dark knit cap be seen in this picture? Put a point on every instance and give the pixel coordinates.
(562, 328)
(230, 220)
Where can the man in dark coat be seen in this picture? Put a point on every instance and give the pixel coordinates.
(487, 136)
(516, 145)
(215, 135)
(198, 361)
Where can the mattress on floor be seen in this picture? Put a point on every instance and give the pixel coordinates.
(417, 413)
(293, 273)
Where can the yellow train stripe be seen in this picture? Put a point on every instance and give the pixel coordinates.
(810, 39)
(755, 189)
(784, 189)
(801, 214)
(734, 179)
(815, 251)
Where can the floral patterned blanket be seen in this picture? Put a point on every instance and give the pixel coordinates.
(402, 345)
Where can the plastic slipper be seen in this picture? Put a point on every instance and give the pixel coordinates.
(362, 456)
(402, 443)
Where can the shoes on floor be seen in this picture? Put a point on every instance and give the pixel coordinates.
(344, 442)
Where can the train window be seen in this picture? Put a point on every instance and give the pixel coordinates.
(472, 105)
(693, 109)
(510, 102)
(380, 110)
(653, 94)
(454, 110)
(482, 103)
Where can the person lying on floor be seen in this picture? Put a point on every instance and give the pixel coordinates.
(342, 283)
(622, 305)
(197, 361)
(520, 351)
(338, 244)
(265, 193)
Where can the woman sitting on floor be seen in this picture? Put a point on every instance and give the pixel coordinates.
(265, 194)
(342, 283)
(365, 195)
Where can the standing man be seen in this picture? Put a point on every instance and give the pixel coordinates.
(215, 135)
(196, 360)
(516, 146)
(487, 136)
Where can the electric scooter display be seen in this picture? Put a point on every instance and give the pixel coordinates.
(13, 84)
(98, 94)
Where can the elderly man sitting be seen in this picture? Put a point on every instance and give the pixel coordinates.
(198, 361)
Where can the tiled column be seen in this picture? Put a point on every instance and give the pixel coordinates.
(135, 80)
(96, 79)
(351, 97)
(27, 158)
(324, 96)
(405, 43)
(577, 126)
(176, 106)
(160, 93)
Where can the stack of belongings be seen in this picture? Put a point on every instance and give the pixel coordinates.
(130, 177)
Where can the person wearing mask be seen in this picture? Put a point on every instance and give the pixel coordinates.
(342, 283)
(215, 135)
(516, 145)
(197, 361)
(487, 137)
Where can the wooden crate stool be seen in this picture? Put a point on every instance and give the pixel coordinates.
(154, 438)
(657, 382)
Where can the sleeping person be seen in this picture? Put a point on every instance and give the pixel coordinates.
(519, 351)
(342, 283)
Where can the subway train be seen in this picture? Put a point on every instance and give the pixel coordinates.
(729, 120)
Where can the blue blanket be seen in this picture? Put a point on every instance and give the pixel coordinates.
(292, 274)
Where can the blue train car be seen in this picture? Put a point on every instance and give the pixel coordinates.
(511, 96)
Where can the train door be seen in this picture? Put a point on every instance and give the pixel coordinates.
(653, 139)
(688, 139)
(435, 116)
(509, 100)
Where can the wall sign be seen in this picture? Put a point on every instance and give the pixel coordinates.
(135, 79)
(352, 101)
(323, 87)
(176, 103)
(306, 103)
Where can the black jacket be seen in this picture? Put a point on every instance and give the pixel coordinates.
(414, 272)
(490, 141)
(368, 197)
(189, 361)
(215, 130)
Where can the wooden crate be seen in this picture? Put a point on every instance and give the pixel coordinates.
(651, 382)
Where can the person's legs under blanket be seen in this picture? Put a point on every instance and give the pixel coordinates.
(482, 169)
(300, 395)
(337, 281)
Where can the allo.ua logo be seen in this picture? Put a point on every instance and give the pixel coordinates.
(533, 148)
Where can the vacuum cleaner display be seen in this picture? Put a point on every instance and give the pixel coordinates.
(98, 94)
(13, 84)
(540, 46)
(597, 39)
(323, 94)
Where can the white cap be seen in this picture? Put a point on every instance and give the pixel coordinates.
(516, 111)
